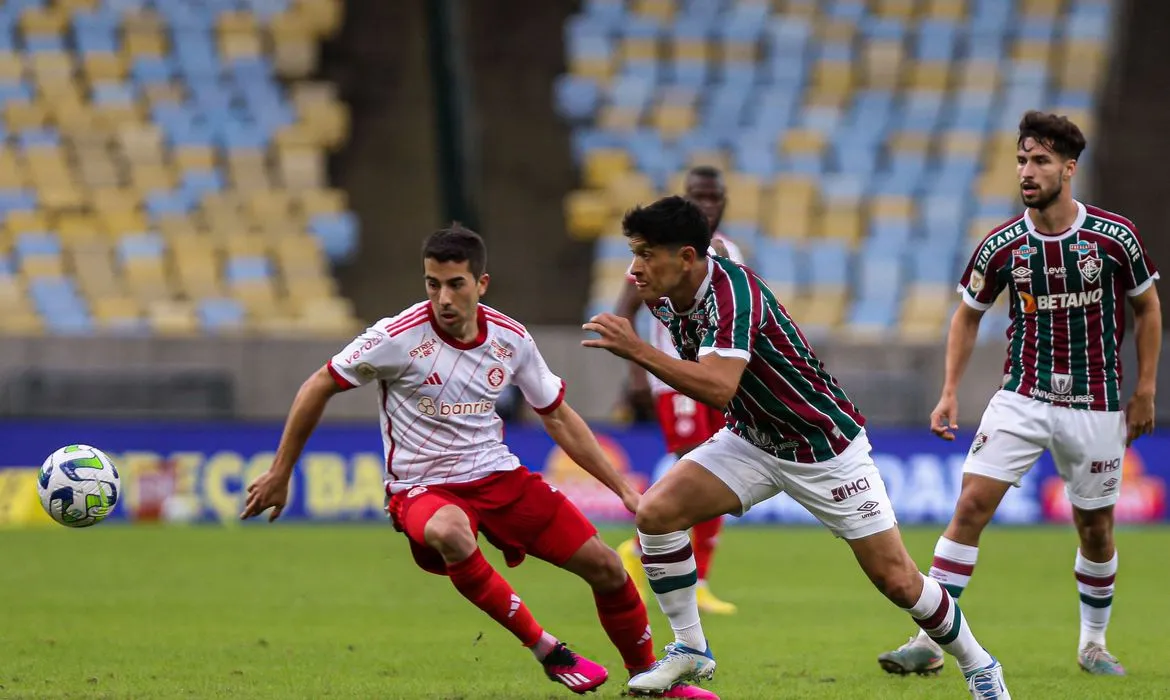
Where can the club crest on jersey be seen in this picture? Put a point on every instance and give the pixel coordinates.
(1061, 383)
(1090, 267)
(1024, 252)
(496, 376)
(978, 443)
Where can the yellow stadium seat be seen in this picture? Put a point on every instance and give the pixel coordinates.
(302, 288)
(62, 196)
(19, 222)
(945, 9)
(36, 266)
(172, 318)
(895, 9)
(978, 75)
(49, 67)
(240, 45)
(661, 10)
(805, 9)
(22, 322)
(77, 122)
(909, 142)
(962, 143)
(11, 66)
(117, 222)
(843, 222)
(629, 189)
(322, 201)
(825, 308)
(602, 164)
(617, 118)
(638, 49)
(738, 52)
(97, 67)
(836, 31)
(160, 93)
(19, 116)
(259, 297)
(690, 50)
(145, 43)
(47, 20)
(176, 228)
(236, 21)
(1032, 52)
(115, 310)
(882, 64)
(598, 68)
(790, 209)
(147, 177)
(802, 142)
(673, 120)
(744, 203)
(832, 78)
(998, 185)
(892, 208)
(932, 76)
(193, 157)
(242, 244)
(587, 212)
(1082, 65)
(301, 168)
(141, 143)
(1041, 8)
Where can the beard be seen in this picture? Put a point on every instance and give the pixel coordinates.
(1043, 201)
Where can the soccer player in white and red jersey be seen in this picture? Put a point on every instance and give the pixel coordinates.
(685, 423)
(1068, 269)
(440, 366)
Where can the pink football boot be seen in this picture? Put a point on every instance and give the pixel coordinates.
(574, 671)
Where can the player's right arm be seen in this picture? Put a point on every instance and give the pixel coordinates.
(638, 391)
(980, 285)
(371, 355)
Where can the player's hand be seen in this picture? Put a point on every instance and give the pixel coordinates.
(617, 335)
(631, 498)
(1139, 417)
(269, 490)
(944, 419)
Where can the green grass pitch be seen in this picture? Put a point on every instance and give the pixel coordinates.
(341, 612)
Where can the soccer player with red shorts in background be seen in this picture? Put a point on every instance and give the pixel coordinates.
(440, 366)
(685, 423)
(1068, 269)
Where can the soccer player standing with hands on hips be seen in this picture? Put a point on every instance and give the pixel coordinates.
(440, 366)
(790, 428)
(1068, 268)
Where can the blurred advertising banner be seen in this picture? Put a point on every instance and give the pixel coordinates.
(197, 472)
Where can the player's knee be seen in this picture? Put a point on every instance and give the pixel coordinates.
(606, 573)
(900, 583)
(657, 516)
(449, 532)
(1096, 534)
(972, 513)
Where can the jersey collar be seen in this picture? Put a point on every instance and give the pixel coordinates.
(1076, 226)
(480, 336)
(702, 292)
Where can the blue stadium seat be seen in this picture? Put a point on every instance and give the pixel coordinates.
(612, 249)
(15, 92)
(34, 243)
(140, 245)
(247, 269)
(337, 233)
(162, 203)
(936, 40)
(934, 264)
(920, 111)
(828, 264)
(609, 13)
(850, 10)
(220, 314)
(44, 43)
(777, 260)
(843, 186)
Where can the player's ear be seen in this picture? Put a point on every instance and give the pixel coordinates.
(1070, 168)
(482, 284)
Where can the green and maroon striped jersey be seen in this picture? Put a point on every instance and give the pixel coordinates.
(1067, 295)
(787, 404)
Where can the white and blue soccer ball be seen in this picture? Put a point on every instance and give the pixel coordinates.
(79, 485)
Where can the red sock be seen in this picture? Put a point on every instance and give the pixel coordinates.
(475, 578)
(704, 537)
(623, 615)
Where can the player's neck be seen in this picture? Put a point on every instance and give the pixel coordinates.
(684, 297)
(1056, 218)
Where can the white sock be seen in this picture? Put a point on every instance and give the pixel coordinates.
(953, 565)
(670, 569)
(543, 646)
(939, 616)
(1095, 584)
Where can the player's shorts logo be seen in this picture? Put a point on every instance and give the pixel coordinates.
(426, 406)
(1090, 268)
(978, 443)
(496, 376)
(417, 490)
(1061, 383)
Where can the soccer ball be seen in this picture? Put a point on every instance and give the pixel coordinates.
(78, 485)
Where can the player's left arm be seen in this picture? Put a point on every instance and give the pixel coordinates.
(1139, 412)
(566, 427)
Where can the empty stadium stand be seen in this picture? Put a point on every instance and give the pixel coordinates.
(867, 145)
(162, 168)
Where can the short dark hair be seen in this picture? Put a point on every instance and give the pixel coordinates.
(706, 171)
(457, 243)
(671, 221)
(1056, 133)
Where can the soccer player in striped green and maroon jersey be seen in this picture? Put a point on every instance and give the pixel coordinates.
(1068, 269)
(789, 427)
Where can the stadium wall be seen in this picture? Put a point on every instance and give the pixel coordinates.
(197, 473)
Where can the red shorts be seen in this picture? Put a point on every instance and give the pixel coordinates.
(517, 511)
(686, 423)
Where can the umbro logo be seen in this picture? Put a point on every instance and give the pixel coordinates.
(434, 379)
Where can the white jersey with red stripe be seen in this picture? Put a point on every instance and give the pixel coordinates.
(437, 395)
(660, 336)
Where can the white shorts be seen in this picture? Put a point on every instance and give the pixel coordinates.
(1088, 447)
(845, 493)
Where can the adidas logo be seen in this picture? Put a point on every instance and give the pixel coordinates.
(433, 379)
(515, 605)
